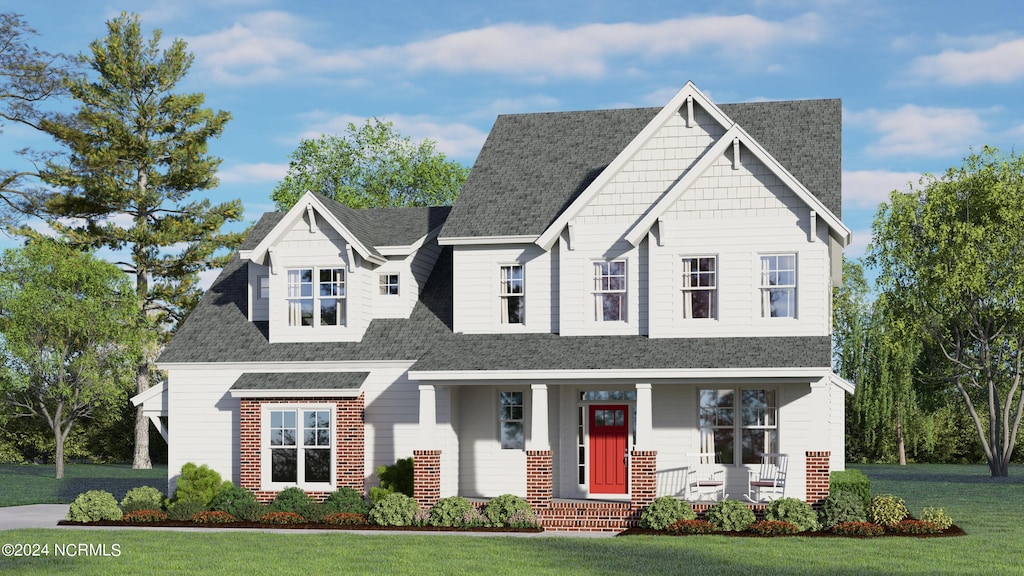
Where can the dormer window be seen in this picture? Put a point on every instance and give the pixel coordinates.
(324, 306)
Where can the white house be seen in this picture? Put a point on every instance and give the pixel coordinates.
(612, 291)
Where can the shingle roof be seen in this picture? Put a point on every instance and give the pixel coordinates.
(533, 166)
(300, 381)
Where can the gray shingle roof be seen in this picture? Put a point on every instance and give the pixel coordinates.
(300, 381)
(533, 166)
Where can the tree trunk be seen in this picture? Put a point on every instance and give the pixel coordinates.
(58, 437)
(141, 458)
(901, 446)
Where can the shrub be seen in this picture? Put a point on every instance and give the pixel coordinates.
(377, 494)
(500, 510)
(250, 511)
(852, 481)
(315, 512)
(345, 519)
(691, 527)
(794, 511)
(394, 510)
(858, 529)
(909, 526)
(346, 500)
(199, 483)
(184, 510)
(774, 528)
(142, 498)
(397, 477)
(94, 505)
(937, 516)
(231, 499)
(887, 510)
(212, 517)
(291, 499)
(281, 518)
(145, 516)
(840, 507)
(664, 512)
(450, 511)
(730, 516)
(523, 519)
(421, 517)
(475, 519)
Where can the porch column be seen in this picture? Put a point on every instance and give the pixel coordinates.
(428, 416)
(816, 474)
(539, 417)
(644, 417)
(642, 479)
(426, 477)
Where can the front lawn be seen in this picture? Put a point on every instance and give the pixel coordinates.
(34, 484)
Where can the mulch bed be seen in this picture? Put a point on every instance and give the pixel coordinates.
(181, 524)
(953, 530)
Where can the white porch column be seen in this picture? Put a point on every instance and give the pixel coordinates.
(644, 417)
(428, 416)
(539, 417)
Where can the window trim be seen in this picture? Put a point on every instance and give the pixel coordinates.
(316, 299)
(511, 419)
(266, 455)
(764, 289)
(687, 291)
(384, 283)
(599, 292)
(504, 296)
(260, 280)
(738, 426)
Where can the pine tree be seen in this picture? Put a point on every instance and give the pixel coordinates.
(136, 152)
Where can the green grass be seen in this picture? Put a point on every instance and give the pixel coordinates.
(991, 511)
(34, 484)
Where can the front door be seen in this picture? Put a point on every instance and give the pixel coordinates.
(609, 437)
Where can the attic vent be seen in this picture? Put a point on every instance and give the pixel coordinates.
(689, 111)
(736, 154)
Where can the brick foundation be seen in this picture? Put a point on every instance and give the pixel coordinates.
(643, 482)
(426, 477)
(349, 443)
(539, 478)
(817, 471)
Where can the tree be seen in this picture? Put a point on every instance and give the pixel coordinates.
(136, 153)
(951, 255)
(372, 166)
(70, 335)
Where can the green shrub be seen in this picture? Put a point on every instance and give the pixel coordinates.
(291, 499)
(887, 510)
(691, 527)
(842, 506)
(281, 518)
(315, 512)
(236, 501)
(200, 483)
(858, 529)
(397, 477)
(450, 511)
(345, 519)
(94, 505)
(184, 510)
(142, 498)
(909, 526)
(937, 516)
(730, 516)
(664, 512)
(212, 517)
(345, 500)
(394, 510)
(377, 494)
(145, 516)
(475, 519)
(774, 528)
(510, 510)
(250, 511)
(853, 481)
(792, 510)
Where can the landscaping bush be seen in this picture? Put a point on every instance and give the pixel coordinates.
(291, 499)
(281, 518)
(691, 527)
(730, 516)
(142, 498)
(450, 511)
(774, 528)
(910, 526)
(475, 519)
(510, 510)
(840, 507)
(142, 516)
(394, 510)
(199, 483)
(937, 516)
(184, 510)
(237, 501)
(212, 517)
(94, 505)
(858, 529)
(852, 481)
(397, 477)
(345, 500)
(664, 512)
(794, 511)
(887, 510)
(315, 512)
(250, 511)
(345, 519)
(377, 494)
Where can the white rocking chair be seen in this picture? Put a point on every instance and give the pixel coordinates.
(704, 478)
(769, 482)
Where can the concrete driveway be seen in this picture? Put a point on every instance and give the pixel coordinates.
(32, 516)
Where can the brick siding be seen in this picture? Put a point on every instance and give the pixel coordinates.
(426, 476)
(817, 472)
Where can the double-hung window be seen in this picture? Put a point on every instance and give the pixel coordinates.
(319, 303)
(300, 446)
(749, 416)
(610, 291)
(700, 287)
(512, 294)
(510, 414)
(778, 286)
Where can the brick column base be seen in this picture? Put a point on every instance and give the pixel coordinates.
(539, 478)
(426, 477)
(643, 482)
(817, 470)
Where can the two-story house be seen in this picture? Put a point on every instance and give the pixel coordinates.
(613, 290)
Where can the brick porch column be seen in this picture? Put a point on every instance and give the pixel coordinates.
(539, 478)
(643, 482)
(817, 471)
(426, 477)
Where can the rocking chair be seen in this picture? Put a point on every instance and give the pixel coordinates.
(769, 482)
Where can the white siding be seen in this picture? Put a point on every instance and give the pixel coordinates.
(259, 308)
(577, 308)
(485, 469)
(476, 289)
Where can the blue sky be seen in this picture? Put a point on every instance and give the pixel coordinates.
(921, 81)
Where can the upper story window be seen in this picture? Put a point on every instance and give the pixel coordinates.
(778, 286)
(610, 291)
(389, 284)
(700, 287)
(323, 306)
(263, 287)
(512, 293)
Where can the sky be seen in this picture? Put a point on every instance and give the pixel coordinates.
(922, 82)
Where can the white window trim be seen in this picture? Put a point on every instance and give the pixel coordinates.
(684, 290)
(316, 298)
(762, 288)
(382, 283)
(265, 455)
(598, 316)
(737, 426)
(502, 295)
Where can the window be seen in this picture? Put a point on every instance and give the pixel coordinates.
(756, 424)
(512, 292)
(778, 286)
(300, 458)
(700, 287)
(610, 291)
(389, 284)
(325, 306)
(510, 411)
(262, 287)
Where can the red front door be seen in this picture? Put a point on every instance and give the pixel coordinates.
(609, 436)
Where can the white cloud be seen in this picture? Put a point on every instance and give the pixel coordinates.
(920, 130)
(866, 188)
(857, 248)
(260, 47)
(206, 278)
(457, 140)
(257, 172)
(998, 64)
